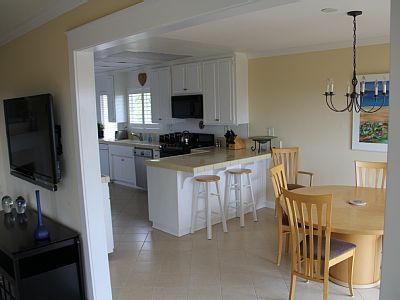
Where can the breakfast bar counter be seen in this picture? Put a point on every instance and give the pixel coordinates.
(170, 184)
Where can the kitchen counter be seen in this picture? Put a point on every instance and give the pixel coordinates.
(201, 160)
(129, 143)
(170, 184)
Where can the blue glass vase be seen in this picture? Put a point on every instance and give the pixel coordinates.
(41, 233)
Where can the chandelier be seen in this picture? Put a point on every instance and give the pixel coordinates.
(355, 100)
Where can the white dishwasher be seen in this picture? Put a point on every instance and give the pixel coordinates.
(141, 155)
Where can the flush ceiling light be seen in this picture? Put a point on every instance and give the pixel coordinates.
(328, 10)
(355, 99)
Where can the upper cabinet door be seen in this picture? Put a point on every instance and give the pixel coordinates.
(178, 79)
(193, 78)
(186, 79)
(160, 89)
(164, 89)
(225, 91)
(155, 96)
(210, 99)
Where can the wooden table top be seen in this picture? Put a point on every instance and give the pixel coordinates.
(348, 218)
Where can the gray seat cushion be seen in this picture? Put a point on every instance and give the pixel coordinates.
(338, 247)
(293, 186)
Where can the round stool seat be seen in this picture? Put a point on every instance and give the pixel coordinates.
(239, 171)
(207, 178)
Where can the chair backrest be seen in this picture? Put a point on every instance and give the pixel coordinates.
(279, 183)
(371, 174)
(309, 220)
(289, 157)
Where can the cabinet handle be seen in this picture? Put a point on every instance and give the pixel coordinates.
(159, 119)
(122, 159)
(217, 120)
(185, 89)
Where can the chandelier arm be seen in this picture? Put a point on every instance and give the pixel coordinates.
(374, 109)
(332, 106)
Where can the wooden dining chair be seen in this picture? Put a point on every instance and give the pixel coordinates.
(371, 174)
(314, 252)
(279, 183)
(289, 157)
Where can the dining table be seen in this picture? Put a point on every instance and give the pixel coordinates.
(361, 225)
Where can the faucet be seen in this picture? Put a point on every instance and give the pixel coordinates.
(139, 136)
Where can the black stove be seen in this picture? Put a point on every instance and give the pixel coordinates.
(180, 143)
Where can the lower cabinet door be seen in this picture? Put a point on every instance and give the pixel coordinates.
(123, 169)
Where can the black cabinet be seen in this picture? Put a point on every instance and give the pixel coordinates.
(33, 270)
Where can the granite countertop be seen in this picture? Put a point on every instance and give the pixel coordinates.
(207, 159)
(130, 143)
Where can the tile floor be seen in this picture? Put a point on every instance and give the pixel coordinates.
(240, 264)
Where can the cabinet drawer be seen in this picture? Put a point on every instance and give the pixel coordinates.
(121, 150)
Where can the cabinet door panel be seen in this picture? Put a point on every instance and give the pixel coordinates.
(210, 101)
(123, 169)
(104, 162)
(155, 96)
(193, 78)
(225, 91)
(164, 89)
(178, 79)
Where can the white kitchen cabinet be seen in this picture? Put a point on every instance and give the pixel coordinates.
(160, 89)
(104, 160)
(218, 98)
(122, 165)
(225, 89)
(186, 78)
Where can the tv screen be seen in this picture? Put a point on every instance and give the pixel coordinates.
(31, 139)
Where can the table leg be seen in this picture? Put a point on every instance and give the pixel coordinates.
(367, 263)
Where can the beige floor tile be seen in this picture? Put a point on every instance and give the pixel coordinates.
(136, 293)
(239, 293)
(240, 264)
(203, 279)
(235, 279)
(205, 293)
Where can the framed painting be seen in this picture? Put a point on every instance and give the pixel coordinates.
(370, 130)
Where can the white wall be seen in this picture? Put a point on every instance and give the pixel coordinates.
(390, 288)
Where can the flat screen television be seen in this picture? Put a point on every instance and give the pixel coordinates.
(31, 137)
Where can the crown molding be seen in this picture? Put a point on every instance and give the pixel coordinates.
(45, 16)
(320, 47)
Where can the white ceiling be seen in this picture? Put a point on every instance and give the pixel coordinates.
(296, 27)
(20, 16)
(289, 28)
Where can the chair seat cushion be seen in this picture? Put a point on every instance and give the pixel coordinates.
(293, 186)
(338, 247)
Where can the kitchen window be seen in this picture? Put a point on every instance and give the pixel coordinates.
(139, 103)
(109, 127)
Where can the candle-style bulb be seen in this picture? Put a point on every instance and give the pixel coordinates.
(328, 81)
(376, 87)
(348, 87)
(332, 84)
(363, 84)
(384, 85)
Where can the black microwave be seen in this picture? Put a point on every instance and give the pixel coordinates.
(187, 106)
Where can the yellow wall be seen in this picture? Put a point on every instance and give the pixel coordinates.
(285, 92)
(37, 63)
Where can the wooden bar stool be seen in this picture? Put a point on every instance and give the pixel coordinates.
(237, 186)
(203, 181)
